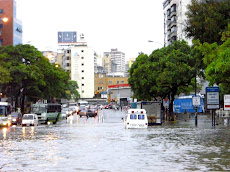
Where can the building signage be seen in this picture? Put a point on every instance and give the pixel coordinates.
(67, 37)
(212, 94)
(226, 102)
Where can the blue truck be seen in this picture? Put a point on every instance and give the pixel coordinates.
(185, 103)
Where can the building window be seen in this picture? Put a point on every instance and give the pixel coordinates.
(82, 78)
(117, 82)
(82, 51)
(82, 71)
(82, 84)
(100, 88)
(122, 82)
(67, 58)
(68, 51)
(100, 82)
(67, 64)
(82, 57)
(82, 64)
(82, 91)
(1, 10)
(173, 8)
(110, 82)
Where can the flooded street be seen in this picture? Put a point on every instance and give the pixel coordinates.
(104, 145)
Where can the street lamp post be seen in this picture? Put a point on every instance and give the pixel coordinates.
(156, 42)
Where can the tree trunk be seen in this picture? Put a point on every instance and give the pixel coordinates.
(23, 103)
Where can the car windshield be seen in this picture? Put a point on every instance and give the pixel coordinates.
(2, 110)
(28, 117)
(14, 115)
(3, 119)
(82, 108)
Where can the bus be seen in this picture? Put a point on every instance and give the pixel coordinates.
(49, 112)
(5, 108)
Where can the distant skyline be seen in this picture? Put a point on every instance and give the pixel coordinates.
(107, 24)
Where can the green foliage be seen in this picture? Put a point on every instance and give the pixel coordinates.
(217, 59)
(207, 19)
(28, 74)
(4, 72)
(167, 71)
(71, 91)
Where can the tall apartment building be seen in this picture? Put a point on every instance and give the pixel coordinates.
(175, 20)
(117, 59)
(10, 31)
(106, 63)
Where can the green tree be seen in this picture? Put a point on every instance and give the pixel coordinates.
(207, 19)
(166, 72)
(4, 72)
(32, 77)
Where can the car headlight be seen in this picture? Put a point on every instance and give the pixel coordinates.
(14, 120)
(4, 123)
(42, 118)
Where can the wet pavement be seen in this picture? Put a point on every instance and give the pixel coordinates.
(102, 144)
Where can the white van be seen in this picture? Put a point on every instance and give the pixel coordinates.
(136, 118)
(29, 120)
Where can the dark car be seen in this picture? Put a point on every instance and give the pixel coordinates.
(16, 118)
(92, 111)
(82, 111)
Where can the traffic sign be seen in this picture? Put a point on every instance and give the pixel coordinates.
(196, 101)
(213, 100)
(226, 102)
(166, 103)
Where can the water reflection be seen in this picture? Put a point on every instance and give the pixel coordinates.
(4, 132)
(87, 144)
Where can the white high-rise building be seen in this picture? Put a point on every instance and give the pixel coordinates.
(117, 58)
(82, 70)
(175, 20)
(79, 61)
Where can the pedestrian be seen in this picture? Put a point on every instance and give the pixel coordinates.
(121, 107)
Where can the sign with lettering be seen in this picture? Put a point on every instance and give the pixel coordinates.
(226, 102)
(213, 100)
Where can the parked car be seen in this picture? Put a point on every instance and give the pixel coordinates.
(16, 118)
(64, 112)
(4, 121)
(29, 120)
(92, 111)
(83, 111)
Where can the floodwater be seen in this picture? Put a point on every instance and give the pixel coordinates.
(105, 145)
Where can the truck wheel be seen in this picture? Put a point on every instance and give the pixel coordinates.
(55, 122)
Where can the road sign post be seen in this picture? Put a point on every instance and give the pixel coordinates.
(213, 101)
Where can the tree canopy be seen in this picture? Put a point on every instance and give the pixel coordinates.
(207, 19)
(29, 75)
(166, 72)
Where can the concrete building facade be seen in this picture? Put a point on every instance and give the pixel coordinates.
(102, 81)
(117, 59)
(10, 31)
(82, 69)
(175, 20)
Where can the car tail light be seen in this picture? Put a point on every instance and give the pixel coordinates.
(132, 111)
(95, 111)
(84, 112)
(142, 112)
(146, 123)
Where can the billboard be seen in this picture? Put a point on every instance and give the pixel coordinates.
(67, 37)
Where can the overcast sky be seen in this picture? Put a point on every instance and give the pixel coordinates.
(123, 24)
